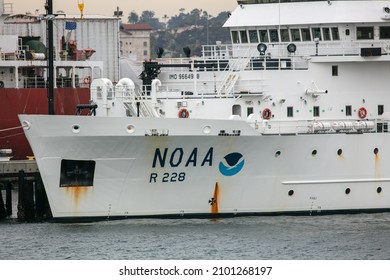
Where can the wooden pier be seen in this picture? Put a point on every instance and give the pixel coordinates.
(23, 176)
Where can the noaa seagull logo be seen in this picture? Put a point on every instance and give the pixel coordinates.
(232, 164)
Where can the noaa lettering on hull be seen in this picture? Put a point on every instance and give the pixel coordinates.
(291, 118)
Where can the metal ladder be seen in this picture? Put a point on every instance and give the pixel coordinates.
(145, 107)
(231, 76)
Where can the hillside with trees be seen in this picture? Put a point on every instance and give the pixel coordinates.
(192, 30)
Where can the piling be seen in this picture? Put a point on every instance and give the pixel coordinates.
(8, 199)
(29, 201)
(26, 211)
(32, 202)
(42, 208)
(21, 210)
(3, 213)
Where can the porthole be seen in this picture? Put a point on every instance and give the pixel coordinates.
(347, 191)
(130, 128)
(207, 129)
(75, 128)
(314, 153)
(379, 190)
(376, 150)
(339, 152)
(290, 192)
(277, 153)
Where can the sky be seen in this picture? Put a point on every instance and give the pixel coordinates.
(107, 7)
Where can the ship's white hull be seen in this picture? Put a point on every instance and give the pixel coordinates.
(191, 169)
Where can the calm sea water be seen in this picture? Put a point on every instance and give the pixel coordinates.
(336, 237)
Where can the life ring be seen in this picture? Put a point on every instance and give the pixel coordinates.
(183, 113)
(362, 113)
(87, 80)
(266, 114)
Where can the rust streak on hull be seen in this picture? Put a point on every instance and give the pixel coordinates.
(214, 205)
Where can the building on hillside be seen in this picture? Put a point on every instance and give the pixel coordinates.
(135, 41)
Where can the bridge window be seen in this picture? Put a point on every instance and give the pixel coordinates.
(235, 38)
(274, 36)
(326, 33)
(295, 35)
(244, 36)
(335, 34)
(306, 34)
(365, 33)
(384, 32)
(316, 31)
(284, 35)
(263, 36)
(253, 38)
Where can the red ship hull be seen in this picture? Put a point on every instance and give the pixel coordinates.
(32, 101)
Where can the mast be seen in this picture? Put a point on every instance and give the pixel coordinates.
(50, 61)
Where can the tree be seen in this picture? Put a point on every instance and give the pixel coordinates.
(133, 17)
(148, 17)
(220, 19)
(203, 28)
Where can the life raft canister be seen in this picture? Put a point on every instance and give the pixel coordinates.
(362, 113)
(183, 113)
(266, 114)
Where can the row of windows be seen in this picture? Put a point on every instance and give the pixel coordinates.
(367, 32)
(129, 43)
(272, 35)
(286, 35)
(130, 52)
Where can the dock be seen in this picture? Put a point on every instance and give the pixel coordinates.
(23, 176)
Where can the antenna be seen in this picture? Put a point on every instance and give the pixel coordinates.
(118, 13)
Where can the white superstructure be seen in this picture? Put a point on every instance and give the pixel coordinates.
(291, 118)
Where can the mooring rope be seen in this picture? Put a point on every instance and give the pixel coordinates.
(11, 128)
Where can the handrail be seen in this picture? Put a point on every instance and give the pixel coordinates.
(231, 76)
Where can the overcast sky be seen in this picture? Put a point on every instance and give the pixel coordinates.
(107, 7)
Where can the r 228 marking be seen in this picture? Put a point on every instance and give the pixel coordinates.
(167, 177)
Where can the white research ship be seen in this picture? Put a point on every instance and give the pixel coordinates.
(291, 118)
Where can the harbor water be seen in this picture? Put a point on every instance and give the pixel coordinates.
(334, 237)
